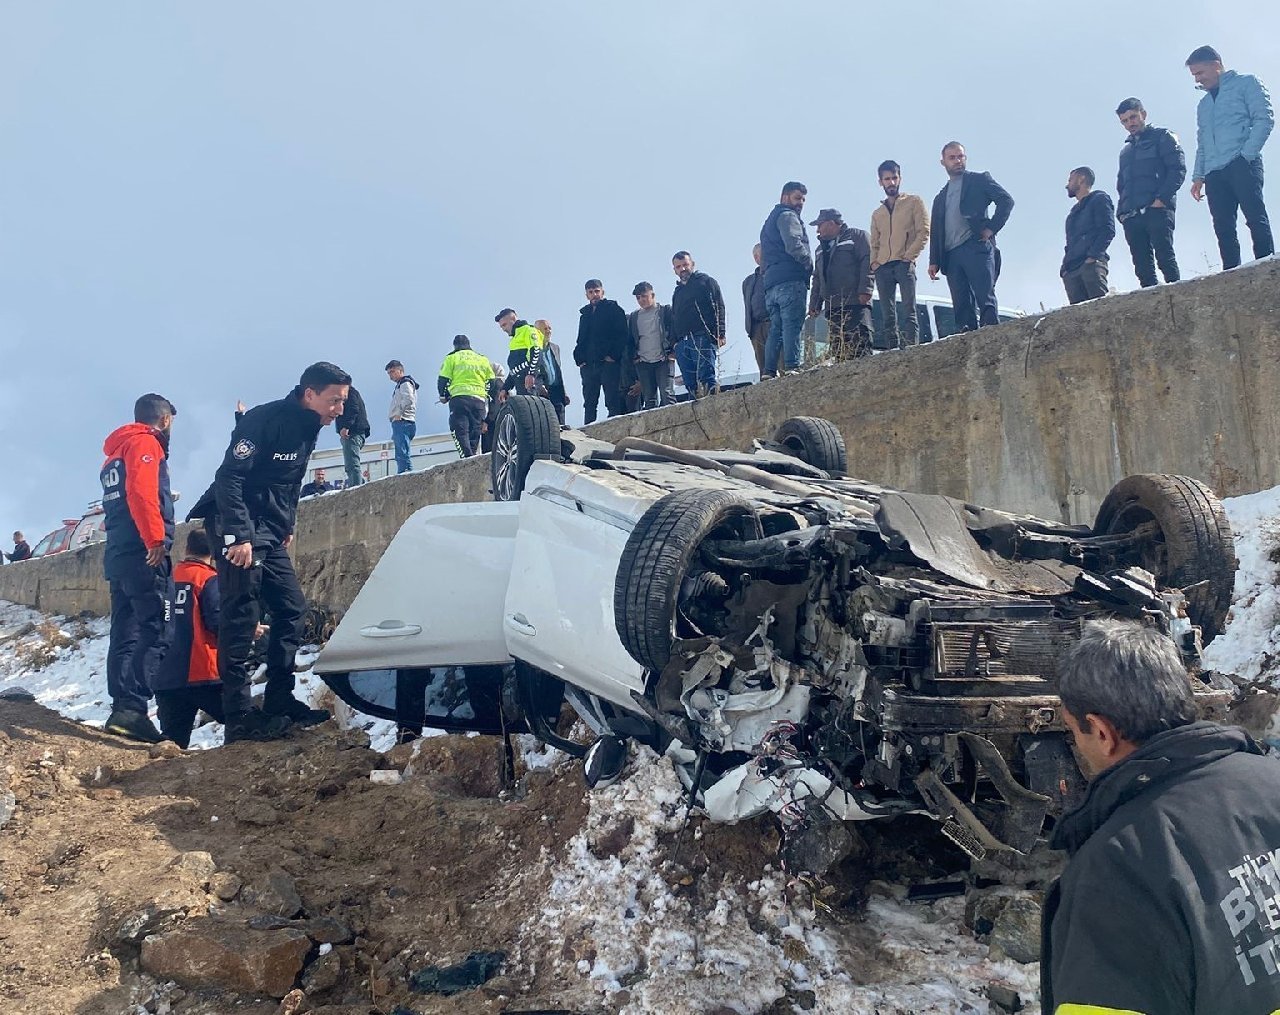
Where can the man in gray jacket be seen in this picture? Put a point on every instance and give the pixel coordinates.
(403, 413)
(842, 285)
(650, 348)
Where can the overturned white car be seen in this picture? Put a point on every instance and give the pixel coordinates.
(794, 640)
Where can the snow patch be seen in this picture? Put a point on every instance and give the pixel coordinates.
(1250, 646)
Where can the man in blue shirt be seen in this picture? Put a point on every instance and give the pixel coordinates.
(1233, 122)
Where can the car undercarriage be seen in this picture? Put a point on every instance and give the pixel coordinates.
(807, 644)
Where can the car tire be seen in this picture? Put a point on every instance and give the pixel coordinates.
(655, 561)
(526, 429)
(1195, 544)
(816, 441)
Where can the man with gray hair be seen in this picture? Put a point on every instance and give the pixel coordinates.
(1170, 902)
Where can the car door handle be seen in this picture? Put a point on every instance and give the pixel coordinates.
(390, 629)
(519, 623)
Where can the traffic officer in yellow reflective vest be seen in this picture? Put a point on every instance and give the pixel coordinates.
(463, 383)
(524, 353)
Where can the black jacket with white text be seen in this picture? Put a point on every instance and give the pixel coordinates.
(257, 484)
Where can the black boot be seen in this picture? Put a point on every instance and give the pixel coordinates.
(133, 725)
(296, 712)
(254, 725)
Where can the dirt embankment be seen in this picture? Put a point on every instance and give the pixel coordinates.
(106, 843)
(138, 880)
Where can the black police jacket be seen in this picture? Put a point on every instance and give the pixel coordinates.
(1152, 165)
(1170, 904)
(256, 486)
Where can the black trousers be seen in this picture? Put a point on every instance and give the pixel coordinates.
(466, 417)
(270, 582)
(1150, 238)
(141, 627)
(176, 710)
(1237, 187)
(601, 375)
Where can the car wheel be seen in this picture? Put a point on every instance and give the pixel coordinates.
(525, 430)
(1192, 548)
(816, 441)
(657, 559)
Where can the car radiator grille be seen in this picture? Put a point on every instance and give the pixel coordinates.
(1000, 649)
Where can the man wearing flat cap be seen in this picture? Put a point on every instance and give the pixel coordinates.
(842, 285)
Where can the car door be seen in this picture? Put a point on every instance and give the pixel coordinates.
(435, 599)
(559, 602)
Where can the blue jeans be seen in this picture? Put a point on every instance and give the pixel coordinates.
(402, 432)
(971, 277)
(696, 357)
(786, 306)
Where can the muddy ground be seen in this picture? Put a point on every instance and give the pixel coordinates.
(107, 845)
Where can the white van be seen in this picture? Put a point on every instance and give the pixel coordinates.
(935, 314)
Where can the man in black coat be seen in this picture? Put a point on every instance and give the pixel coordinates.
(962, 239)
(353, 431)
(698, 325)
(757, 314)
(1091, 226)
(601, 345)
(842, 285)
(21, 548)
(1170, 903)
(1152, 169)
(256, 490)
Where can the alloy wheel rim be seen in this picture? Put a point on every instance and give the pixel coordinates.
(507, 449)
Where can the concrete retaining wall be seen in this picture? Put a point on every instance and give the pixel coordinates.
(1042, 415)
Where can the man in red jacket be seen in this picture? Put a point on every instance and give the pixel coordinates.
(187, 679)
(139, 525)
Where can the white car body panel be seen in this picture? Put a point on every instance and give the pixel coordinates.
(435, 597)
(570, 541)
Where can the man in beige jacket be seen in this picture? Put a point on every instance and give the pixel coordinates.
(899, 232)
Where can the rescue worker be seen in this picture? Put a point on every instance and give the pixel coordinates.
(186, 681)
(1168, 903)
(138, 506)
(256, 492)
(464, 384)
(523, 353)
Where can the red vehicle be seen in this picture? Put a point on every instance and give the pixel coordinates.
(74, 533)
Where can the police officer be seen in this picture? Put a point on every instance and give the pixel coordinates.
(1152, 168)
(256, 490)
(139, 522)
(464, 384)
(523, 353)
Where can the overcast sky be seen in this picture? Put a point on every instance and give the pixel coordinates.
(202, 198)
